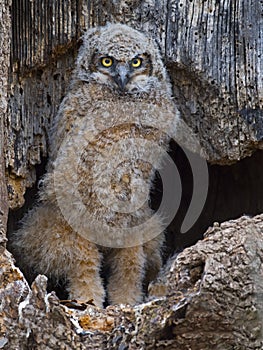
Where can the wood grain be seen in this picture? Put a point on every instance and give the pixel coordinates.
(5, 34)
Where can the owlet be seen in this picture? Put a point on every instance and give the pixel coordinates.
(110, 135)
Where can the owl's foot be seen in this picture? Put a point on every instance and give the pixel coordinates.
(127, 272)
(85, 285)
(87, 292)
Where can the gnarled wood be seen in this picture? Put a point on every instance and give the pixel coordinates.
(208, 297)
(212, 49)
(5, 34)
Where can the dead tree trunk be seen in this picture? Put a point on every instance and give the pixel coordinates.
(5, 34)
(210, 296)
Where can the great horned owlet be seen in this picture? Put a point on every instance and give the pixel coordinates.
(109, 136)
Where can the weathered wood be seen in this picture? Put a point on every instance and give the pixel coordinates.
(208, 297)
(212, 48)
(5, 34)
(222, 289)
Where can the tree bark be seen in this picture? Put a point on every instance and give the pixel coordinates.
(212, 49)
(5, 28)
(210, 295)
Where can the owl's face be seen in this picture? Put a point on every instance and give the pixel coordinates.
(122, 59)
(126, 75)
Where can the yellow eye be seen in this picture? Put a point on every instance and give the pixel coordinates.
(136, 62)
(107, 62)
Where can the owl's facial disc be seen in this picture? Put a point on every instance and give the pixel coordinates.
(127, 76)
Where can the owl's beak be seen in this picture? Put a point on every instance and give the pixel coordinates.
(122, 76)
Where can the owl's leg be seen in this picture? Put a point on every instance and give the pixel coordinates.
(84, 281)
(126, 278)
(47, 245)
(153, 251)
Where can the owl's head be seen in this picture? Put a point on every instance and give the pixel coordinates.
(125, 60)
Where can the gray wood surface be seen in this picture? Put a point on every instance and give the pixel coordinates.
(5, 35)
(210, 297)
(213, 50)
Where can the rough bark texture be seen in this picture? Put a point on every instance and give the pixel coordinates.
(5, 31)
(210, 296)
(212, 49)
